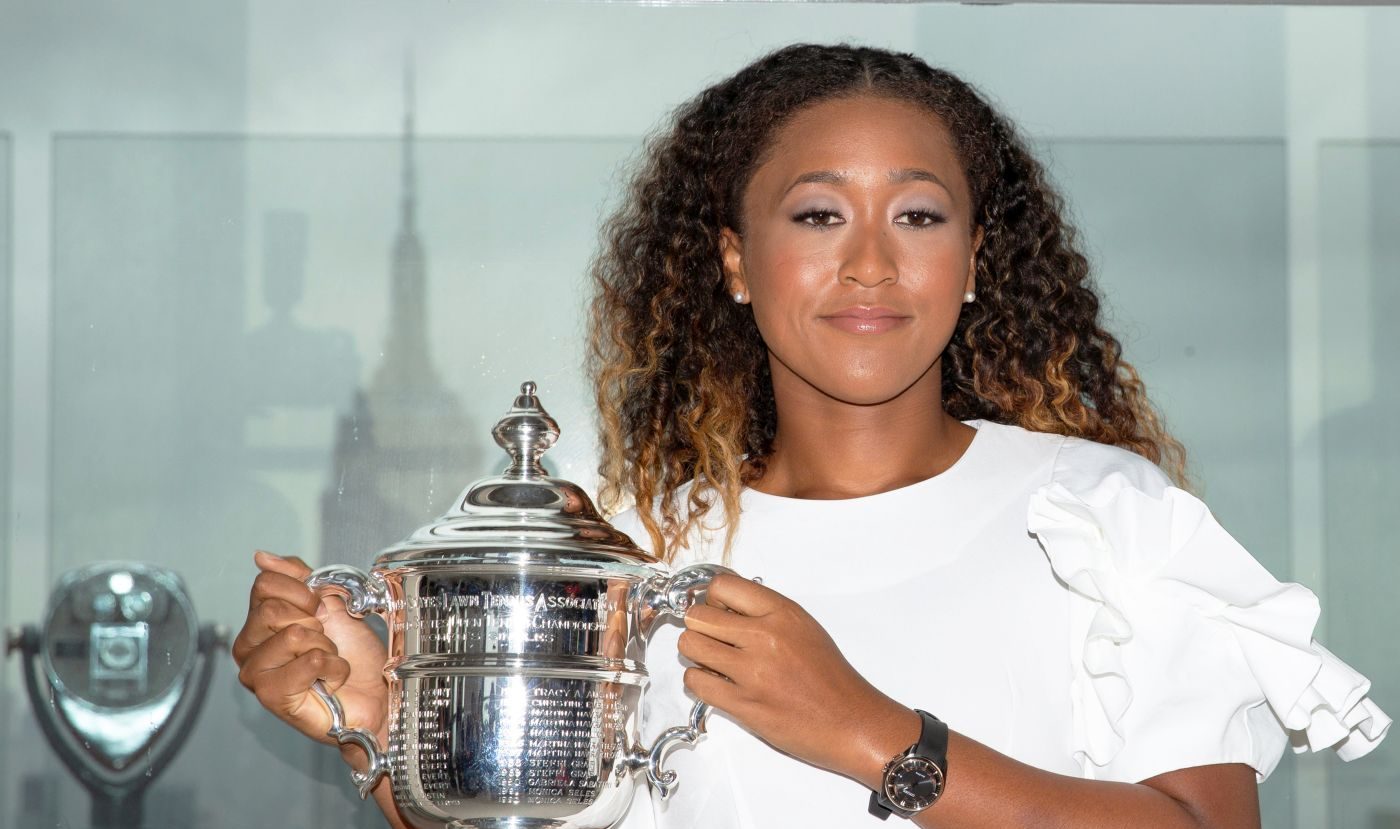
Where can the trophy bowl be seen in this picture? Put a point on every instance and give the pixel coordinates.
(517, 627)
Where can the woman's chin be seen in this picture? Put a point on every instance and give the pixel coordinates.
(876, 390)
(860, 379)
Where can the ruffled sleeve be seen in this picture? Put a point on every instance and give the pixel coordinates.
(1185, 650)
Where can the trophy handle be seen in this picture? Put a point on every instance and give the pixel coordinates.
(664, 780)
(673, 595)
(665, 596)
(378, 766)
(363, 593)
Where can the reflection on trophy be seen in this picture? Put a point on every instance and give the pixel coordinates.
(517, 633)
(120, 690)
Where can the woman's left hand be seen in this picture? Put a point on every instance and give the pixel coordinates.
(772, 668)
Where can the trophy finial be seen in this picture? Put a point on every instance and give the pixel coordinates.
(526, 433)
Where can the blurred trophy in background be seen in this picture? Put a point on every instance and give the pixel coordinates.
(116, 678)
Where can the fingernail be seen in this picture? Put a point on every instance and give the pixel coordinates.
(266, 553)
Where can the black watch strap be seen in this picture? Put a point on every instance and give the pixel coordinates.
(933, 745)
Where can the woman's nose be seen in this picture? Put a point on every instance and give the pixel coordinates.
(867, 258)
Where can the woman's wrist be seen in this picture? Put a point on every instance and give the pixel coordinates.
(881, 733)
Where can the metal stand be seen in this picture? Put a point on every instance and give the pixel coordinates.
(117, 796)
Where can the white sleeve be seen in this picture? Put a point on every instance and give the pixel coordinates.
(1186, 651)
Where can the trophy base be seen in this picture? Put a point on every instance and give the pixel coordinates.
(513, 823)
(518, 823)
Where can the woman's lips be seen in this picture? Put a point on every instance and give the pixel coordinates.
(862, 320)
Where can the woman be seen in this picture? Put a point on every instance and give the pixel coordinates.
(843, 340)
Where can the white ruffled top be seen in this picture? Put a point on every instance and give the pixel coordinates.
(1053, 598)
(1181, 637)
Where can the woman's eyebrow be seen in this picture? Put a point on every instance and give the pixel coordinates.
(916, 174)
(817, 177)
(900, 176)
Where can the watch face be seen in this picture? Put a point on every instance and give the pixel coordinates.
(913, 783)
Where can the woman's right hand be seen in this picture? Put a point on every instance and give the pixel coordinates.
(292, 637)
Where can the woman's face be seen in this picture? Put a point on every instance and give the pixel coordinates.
(857, 250)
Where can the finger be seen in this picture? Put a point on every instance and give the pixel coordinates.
(264, 662)
(273, 585)
(709, 653)
(725, 625)
(267, 619)
(711, 688)
(286, 689)
(731, 592)
(281, 648)
(286, 565)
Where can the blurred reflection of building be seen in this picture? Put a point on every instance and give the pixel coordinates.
(401, 451)
(291, 364)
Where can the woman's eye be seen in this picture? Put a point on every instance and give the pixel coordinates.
(818, 218)
(922, 218)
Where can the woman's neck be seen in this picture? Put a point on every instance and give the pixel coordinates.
(830, 449)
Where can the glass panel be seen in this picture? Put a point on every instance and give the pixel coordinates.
(288, 361)
(9, 701)
(1188, 238)
(300, 345)
(1359, 205)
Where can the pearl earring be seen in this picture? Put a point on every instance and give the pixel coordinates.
(738, 296)
(970, 296)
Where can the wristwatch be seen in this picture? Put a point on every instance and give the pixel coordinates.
(913, 781)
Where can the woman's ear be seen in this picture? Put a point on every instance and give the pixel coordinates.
(977, 237)
(731, 252)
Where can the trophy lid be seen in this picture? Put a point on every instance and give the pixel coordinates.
(521, 516)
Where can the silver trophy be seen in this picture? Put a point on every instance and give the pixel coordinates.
(517, 643)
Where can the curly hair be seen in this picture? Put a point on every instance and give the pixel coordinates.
(680, 372)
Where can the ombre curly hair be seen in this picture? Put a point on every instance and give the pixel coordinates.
(680, 372)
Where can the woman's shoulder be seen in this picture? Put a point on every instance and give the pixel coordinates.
(1083, 465)
(1077, 464)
